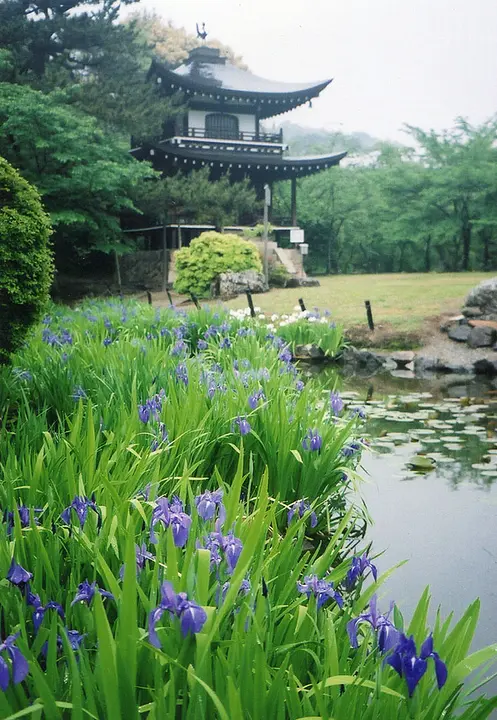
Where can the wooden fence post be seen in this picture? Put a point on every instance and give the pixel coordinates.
(369, 314)
(250, 303)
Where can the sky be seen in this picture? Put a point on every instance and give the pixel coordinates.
(422, 62)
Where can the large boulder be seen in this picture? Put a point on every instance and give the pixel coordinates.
(484, 297)
(460, 333)
(481, 337)
(230, 284)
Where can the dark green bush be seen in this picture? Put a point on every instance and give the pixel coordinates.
(208, 256)
(26, 267)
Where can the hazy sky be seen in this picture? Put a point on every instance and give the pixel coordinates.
(424, 62)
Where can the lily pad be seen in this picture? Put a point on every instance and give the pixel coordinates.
(422, 463)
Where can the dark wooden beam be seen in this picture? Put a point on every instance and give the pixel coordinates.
(294, 201)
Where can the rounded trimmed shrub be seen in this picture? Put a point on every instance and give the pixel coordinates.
(209, 255)
(26, 267)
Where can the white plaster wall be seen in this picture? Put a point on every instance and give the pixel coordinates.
(246, 121)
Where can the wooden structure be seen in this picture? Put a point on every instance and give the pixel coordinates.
(221, 125)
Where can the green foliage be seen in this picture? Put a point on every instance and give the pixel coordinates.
(278, 275)
(199, 198)
(85, 176)
(25, 259)
(432, 208)
(172, 44)
(208, 256)
(80, 47)
(266, 651)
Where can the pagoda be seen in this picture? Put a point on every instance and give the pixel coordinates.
(221, 124)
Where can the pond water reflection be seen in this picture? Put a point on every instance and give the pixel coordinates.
(443, 521)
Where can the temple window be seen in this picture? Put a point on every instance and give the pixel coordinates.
(220, 125)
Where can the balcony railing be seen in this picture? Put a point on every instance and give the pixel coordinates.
(243, 136)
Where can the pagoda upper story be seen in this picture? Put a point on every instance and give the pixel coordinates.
(221, 124)
(226, 103)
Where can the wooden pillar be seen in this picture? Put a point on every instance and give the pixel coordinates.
(165, 258)
(270, 210)
(294, 201)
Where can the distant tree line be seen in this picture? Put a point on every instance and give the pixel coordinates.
(428, 208)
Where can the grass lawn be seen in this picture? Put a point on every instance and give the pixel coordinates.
(403, 301)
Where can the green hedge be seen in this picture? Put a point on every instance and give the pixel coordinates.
(25, 258)
(208, 256)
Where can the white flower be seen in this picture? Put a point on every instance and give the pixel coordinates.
(274, 317)
(261, 317)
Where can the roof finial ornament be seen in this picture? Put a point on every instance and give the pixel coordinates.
(201, 34)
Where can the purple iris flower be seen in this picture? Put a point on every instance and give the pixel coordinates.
(191, 615)
(300, 508)
(299, 386)
(285, 355)
(18, 663)
(40, 610)
(145, 493)
(78, 393)
(232, 548)
(86, 593)
(405, 661)
(22, 374)
(243, 425)
(336, 403)
(107, 341)
(312, 441)
(75, 638)
(17, 575)
(162, 437)
(358, 412)
(180, 348)
(142, 555)
(144, 413)
(24, 517)
(180, 523)
(321, 589)
(225, 343)
(388, 635)
(244, 590)
(81, 505)
(202, 345)
(171, 515)
(152, 407)
(212, 543)
(358, 568)
(182, 373)
(208, 502)
(351, 449)
(253, 400)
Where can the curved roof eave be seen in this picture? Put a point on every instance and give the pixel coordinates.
(235, 82)
(286, 167)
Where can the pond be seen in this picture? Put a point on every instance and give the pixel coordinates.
(441, 518)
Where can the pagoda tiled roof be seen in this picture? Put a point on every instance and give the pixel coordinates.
(282, 167)
(226, 81)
